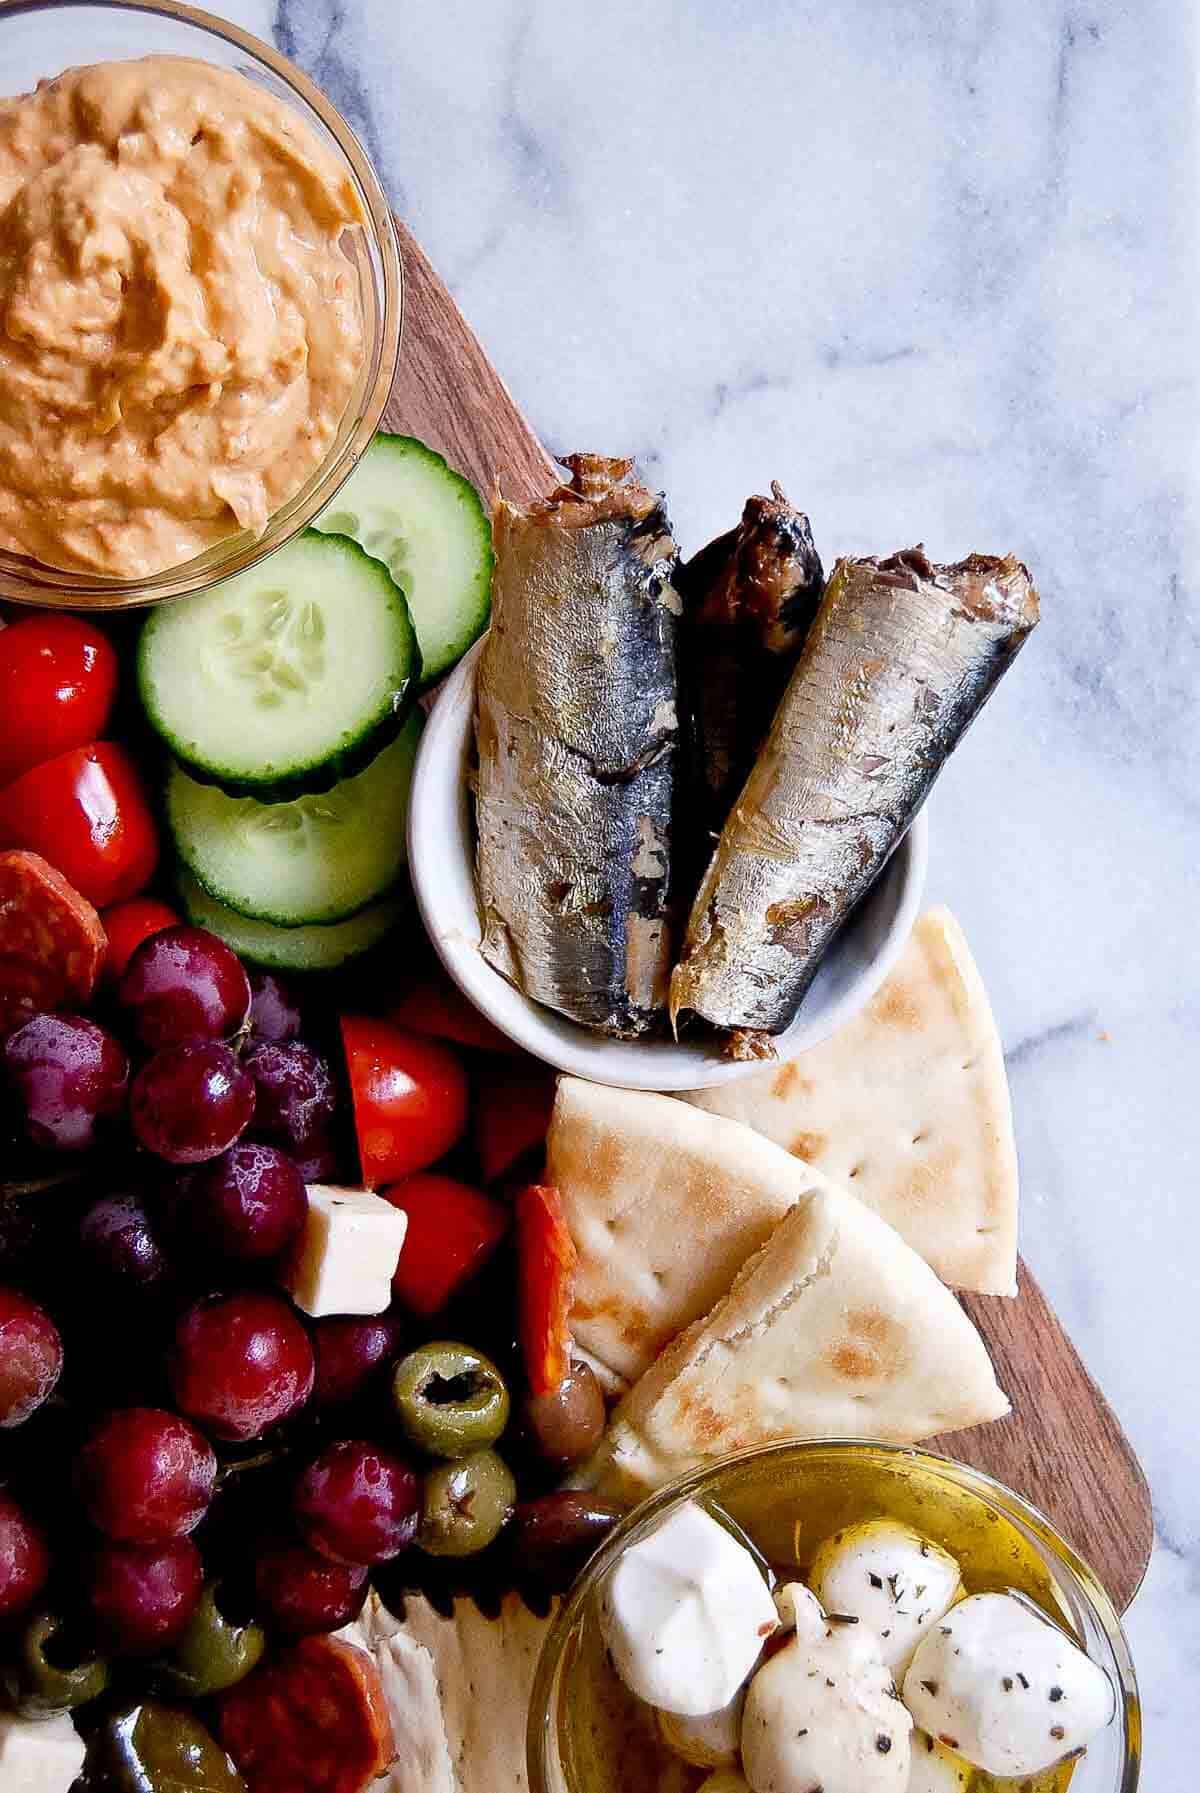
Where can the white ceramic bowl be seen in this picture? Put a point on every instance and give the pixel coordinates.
(441, 852)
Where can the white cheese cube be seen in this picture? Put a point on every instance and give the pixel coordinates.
(43, 1756)
(348, 1253)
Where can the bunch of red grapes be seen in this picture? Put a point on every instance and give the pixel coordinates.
(151, 1333)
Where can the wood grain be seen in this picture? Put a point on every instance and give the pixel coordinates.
(1062, 1447)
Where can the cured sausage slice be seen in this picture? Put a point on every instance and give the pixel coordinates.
(51, 940)
(312, 1719)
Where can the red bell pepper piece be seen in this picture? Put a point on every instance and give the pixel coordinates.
(452, 1231)
(437, 1006)
(546, 1261)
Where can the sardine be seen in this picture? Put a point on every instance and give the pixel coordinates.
(576, 730)
(901, 657)
(749, 599)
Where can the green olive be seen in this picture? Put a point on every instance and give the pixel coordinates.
(450, 1399)
(466, 1504)
(49, 1675)
(151, 1748)
(213, 1652)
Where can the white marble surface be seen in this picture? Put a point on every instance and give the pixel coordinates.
(931, 263)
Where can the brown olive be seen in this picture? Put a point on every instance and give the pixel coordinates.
(566, 1426)
(551, 1538)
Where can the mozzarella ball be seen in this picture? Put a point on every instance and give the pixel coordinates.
(890, 1578)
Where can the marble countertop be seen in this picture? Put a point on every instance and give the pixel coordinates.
(931, 265)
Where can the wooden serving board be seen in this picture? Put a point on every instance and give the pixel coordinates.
(1062, 1447)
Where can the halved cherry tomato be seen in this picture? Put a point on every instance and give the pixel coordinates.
(58, 679)
(87, 814)
(128, 924)
(546, 1261)
(512, 1114)
(452, 1231)
(437, 1006)
(409, 1094)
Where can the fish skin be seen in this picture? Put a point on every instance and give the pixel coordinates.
(577, 732)
(901, 657)
(749, 599)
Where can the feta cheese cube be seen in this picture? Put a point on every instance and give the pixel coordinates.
(348, 1253)
(42, 1756)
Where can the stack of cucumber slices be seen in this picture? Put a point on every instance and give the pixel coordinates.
(287, 696)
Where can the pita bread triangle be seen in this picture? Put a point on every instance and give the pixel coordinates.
(665, 1204)
(907, 1107)
(834, 1329)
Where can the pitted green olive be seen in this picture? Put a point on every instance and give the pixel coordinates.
(49, 1675)
(214, 1652)
(450, 1399)
(467, 1502)
(152, 1748)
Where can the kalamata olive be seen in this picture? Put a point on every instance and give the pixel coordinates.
(152, 1748)
(565, 1426)
(50, 1675)
(550, 1539)
(214, 1652)
(467, 1503)
(450, 1399)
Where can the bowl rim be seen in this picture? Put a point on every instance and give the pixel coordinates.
(28, 582)
(627, 1064)
(1082, 1578)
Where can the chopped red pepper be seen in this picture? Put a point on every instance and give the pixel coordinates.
(546, 1261)
(452, 1231)
(437, 1006)
(512, 1114)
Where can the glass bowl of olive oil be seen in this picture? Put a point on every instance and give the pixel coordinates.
(589, 1734)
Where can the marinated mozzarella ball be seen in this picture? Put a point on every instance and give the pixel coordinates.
(1008, 1690)
(823, 1712)
(936, 1769)
(710, 1741)
(799, 1610)
(684, 1614)
(890, 1578)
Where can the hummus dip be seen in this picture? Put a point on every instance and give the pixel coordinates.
(180, 329)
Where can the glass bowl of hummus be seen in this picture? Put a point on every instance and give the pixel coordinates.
(885, 1543)
(200, 301)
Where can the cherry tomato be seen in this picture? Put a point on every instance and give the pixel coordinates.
(87, 814)
(58, 679)
(409, 1094)
(452, 1231)
(128, 924)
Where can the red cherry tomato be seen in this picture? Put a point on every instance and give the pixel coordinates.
(409, 1094)
(58, 679)
(128, 924)
(87, 814)
(452, 1231)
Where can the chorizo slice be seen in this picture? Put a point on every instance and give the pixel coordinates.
(310, 1719)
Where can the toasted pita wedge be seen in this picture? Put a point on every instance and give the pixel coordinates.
(907, 1107)
(665, 1204)
(835, 1329)
(410, 1685)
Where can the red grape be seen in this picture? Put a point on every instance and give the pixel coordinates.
(349, 1350)
(145, 1475)
(241, 1363)
(119, 1243)
(31, 1356)
(191, 1102)
(69, 1075)
(24, 1559)
(249, 1203)
(300, 1593)
(295, 1095)
(142, 1596)
(274, 1011)
(357, 1503)
(183, 983)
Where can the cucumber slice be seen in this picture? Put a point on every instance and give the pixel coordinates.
(427, 525)
(289, 949)
(285, 678)
(319, 858)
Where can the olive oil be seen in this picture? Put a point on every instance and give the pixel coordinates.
(787, 1507)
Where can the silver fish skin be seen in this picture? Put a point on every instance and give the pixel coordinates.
(576, 729)
(900, 658)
